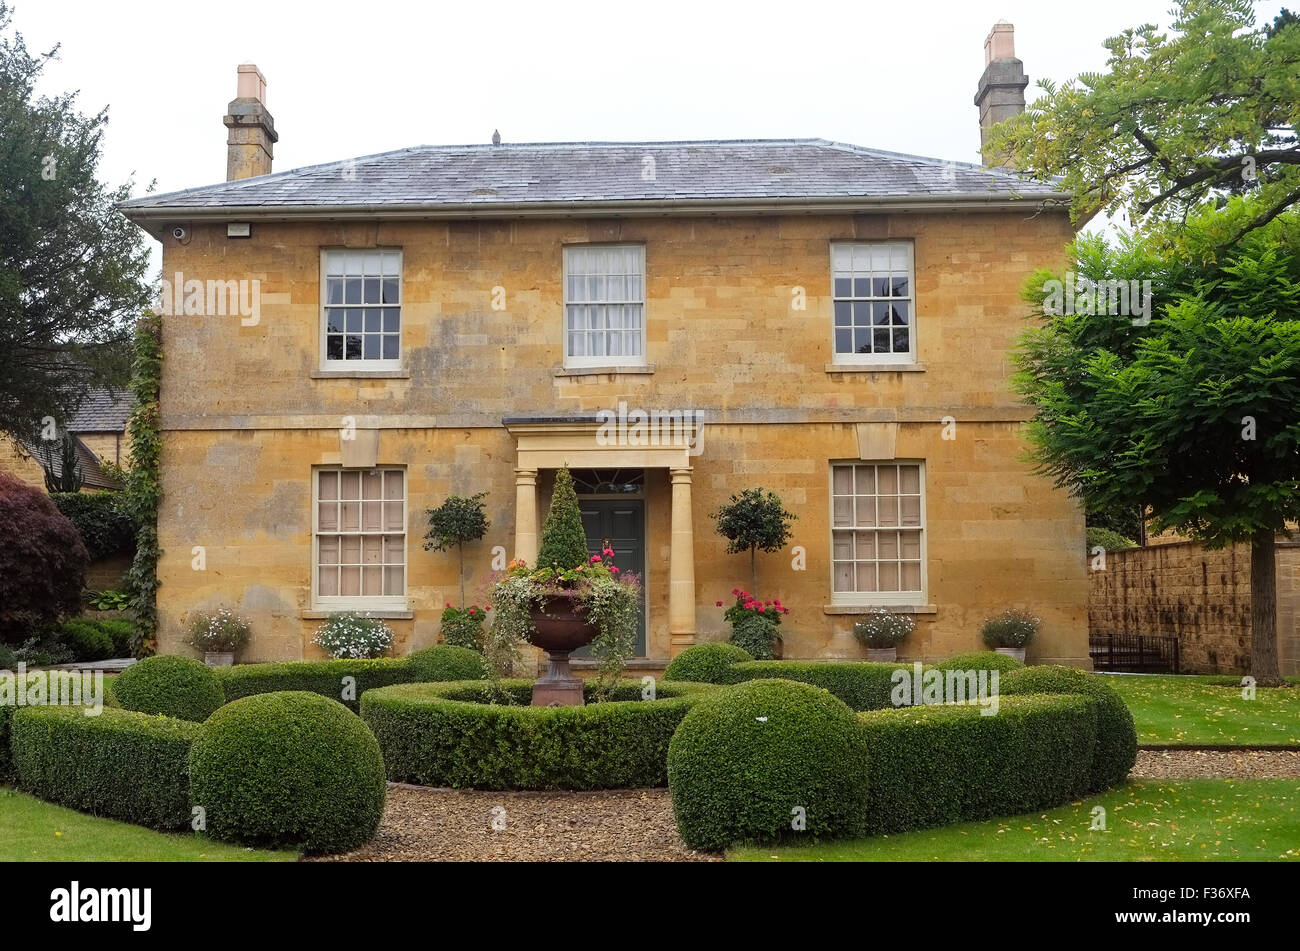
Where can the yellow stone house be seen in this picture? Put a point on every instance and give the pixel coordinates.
(347, 344)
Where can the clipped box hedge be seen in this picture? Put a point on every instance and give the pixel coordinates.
(1116, 748)
(120, 764)
(326, 677)
(6, 756)
(937, 765)
(453, 735)
(861, 685)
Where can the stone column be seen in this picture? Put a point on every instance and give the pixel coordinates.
(526, 514)
(681, 567)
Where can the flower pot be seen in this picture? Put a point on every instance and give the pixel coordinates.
(885, 654)
(1017, 652)
(559, 628)
(219, 658)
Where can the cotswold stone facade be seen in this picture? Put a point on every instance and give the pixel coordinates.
(346, 344)
(248, 413)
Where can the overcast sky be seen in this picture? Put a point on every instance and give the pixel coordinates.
(350, 79)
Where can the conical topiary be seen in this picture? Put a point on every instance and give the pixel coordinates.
(564, 543)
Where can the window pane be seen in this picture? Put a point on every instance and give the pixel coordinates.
(866, 511)
(866, 542)
(911, 576)
(372, 516)
(372, 581)
(844, 576)
(909, 510)
(394, 549)
(329, 485)
(842, 480)
(888, 543)
(866, 480)
(866, 576)
(888, 480)
(350, 485)
(887, 511)
(329, 550)
(349, 582)
(888, 575)
(372, 485)
(910, 544)
(395, 484)
(842, 546)
(394, 581)
(328, 516)
(328, 582)
(351, 516)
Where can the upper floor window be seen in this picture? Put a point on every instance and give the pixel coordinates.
(604, 305)
(877, 533)
(362, 316)
(874, 315)
(360, 531)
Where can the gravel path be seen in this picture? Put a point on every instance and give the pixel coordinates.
(1217, 764)
(456, 825)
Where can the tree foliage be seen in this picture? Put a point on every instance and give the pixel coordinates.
(71, 268)
(1194, 417)
(1178, 118)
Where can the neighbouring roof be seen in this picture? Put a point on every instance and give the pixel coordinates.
(104, 411)
(622, 177)
(92, 476)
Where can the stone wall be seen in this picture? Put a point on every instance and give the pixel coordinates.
(1200, 596)
(247, 413)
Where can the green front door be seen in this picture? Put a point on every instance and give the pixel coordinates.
(621, 523)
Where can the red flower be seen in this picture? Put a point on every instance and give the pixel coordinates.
(785, 610)
(719, 604)
(448, 604)
(488, 608)
(613, 570)
(471, 610)
(595, 558)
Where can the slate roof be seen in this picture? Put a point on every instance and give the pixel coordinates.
(104, 411)
(481, 178)
(92, 476)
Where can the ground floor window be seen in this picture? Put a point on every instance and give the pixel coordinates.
(877, 532)
(360, 538)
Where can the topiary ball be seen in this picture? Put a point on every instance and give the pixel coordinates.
(744, 763)
(448, 662)
(1115, 751)
(982, 660)
(171, 685)
(706, 663)
(288, 770)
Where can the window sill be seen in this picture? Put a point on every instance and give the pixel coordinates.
(361, 374)
(389, 615)
(642, 369)
(875, 368)
(869, 608)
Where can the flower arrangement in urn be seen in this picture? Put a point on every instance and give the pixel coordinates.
(565, 601)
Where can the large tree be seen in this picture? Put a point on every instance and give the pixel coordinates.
(1179, 118)
(1194, 416)
(71, 268)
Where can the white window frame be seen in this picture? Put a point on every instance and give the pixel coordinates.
(878, 598)
(859, 359)
(342, 366)
(360, 602)
(606, 360)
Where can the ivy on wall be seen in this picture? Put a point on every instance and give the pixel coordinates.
(142, 492)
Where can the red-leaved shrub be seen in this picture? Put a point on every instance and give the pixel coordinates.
(42, 560)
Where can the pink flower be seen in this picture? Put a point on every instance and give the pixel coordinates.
(609, 552)
(613, 570)
(448, 604)
(595, 559)
(471, 611)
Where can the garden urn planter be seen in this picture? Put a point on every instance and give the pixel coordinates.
(219, 658)
(1017, 652)
(884, 654)
(559, 628)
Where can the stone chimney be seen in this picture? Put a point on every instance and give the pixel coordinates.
(251, 140)
(1001, 92)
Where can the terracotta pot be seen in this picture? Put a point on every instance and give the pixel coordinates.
(1017, 652)
(219, 658)
(559, 629)
(882, 653)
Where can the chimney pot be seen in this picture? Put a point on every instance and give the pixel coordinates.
(1001, 92)
(251, 140)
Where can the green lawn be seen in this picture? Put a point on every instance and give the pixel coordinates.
(1195, 820)
(35, 831)
(1205, 711)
